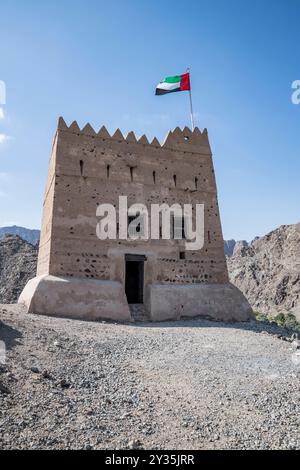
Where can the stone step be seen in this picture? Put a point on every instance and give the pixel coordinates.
(139, 313)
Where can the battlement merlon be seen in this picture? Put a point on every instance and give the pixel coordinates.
(185, 139)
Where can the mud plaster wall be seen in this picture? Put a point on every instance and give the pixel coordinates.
(88, 169)
(46, 232)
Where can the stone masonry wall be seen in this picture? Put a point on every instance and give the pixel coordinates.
(87, 169)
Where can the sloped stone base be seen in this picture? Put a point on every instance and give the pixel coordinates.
(89, 299)
(86, 299)
(222, 302)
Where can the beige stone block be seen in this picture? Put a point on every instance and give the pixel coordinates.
(221, 302)
(76, 298)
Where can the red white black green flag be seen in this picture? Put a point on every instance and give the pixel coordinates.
(172, 84)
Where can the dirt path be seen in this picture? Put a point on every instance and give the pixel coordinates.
(183, 385)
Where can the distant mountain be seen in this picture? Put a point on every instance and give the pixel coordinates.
(31, 236)
(18, 260)
(231, 245)
(267, 270)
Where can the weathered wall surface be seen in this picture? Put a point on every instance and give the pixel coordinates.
(76, 298)
(46, 232)
(88, 169)
(222, 302)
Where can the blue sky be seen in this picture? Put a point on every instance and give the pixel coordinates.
(99, 62)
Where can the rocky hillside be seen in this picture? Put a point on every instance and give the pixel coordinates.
(31, 236)
(268, 270)
(18, 260)
(230, 246)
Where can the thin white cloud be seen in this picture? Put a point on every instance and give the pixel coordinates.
(3, 138)
(2, 113)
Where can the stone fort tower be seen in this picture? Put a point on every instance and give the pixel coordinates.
(81, 276)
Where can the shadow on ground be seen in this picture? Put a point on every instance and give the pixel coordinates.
(9, 335)
(253, 325)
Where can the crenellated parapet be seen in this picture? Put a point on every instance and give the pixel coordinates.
(184, 139)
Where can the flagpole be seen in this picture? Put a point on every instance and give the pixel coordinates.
(191, 105)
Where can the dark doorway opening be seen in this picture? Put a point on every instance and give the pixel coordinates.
(134, 279)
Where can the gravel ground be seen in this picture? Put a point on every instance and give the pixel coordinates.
(191, 384)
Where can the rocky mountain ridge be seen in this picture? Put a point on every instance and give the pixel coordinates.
(18, 260)
(30, 235)
(268, 270)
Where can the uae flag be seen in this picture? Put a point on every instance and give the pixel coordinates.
(172, 84)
